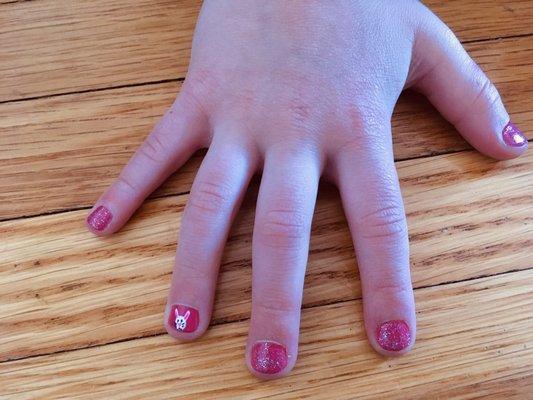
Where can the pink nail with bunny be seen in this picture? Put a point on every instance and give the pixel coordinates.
(183, 318)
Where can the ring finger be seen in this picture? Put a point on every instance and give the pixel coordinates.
(215, 197)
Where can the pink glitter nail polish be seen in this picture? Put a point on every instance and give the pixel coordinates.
(269, 357)
(394, 335)
(99, 218)
(512, 136)
(183, 318)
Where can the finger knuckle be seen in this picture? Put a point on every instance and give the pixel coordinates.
(192, 266)
(300, 112)
(298, 116)
(208, 197)
(484, 94)
(486, 91)
(127, 185)
(154, 149)
(199, 86)
(359, 143)
(274, 304)
(364, 131)
(386, 220)
(390, 285)
(283, 228)
(483, 87)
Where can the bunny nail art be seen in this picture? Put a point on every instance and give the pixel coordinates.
(183, 318)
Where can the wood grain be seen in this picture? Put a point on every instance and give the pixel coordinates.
(474, 341)
(50, 47)
(62, 152)
(96, 44)
(468, 217)
(81, 316)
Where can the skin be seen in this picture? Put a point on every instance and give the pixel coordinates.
(301, 90)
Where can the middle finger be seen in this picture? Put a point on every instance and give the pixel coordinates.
(280, 248)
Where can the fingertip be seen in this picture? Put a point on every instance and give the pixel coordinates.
(99, 220)
(114, 208)
(183, 322)
(501, 141)
(392, 338)
(269, 359)
(389, 316)
(514, 140)
(183, 336)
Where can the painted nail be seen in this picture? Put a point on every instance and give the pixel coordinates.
(269, 357)
(394, 335)
(512, 136)
(100, 218)
(183, 318)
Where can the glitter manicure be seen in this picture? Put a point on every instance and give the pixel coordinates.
(394, 335)
(100, 218)
(269, 357)
(512, 136)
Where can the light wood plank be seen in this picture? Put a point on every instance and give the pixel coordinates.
(468, 217)
(51, 46)
(62, 152)
(474, 341)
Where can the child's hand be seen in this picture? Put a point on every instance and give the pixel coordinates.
(300, 90)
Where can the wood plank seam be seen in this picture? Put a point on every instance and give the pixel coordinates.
(139, 258)
(229, 320)
(97, 132)
(434, 180)
(170, 194)
(156, 20)
(502, 380)
(182, 78)
(513, 354)
(3, 3)
(496, 38)
(94, 90)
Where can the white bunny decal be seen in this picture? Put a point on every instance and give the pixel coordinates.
(180, 321)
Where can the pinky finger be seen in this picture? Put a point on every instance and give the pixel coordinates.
(170, 144)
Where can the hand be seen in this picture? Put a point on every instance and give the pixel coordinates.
(302, 89)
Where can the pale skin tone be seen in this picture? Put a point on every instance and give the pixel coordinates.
(299, 90)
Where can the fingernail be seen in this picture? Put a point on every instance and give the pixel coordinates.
(183, 318)
(99, 218)
(394, 335)
(512, 136)
(269, 357)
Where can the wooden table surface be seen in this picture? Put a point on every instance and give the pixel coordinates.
(82, 82)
